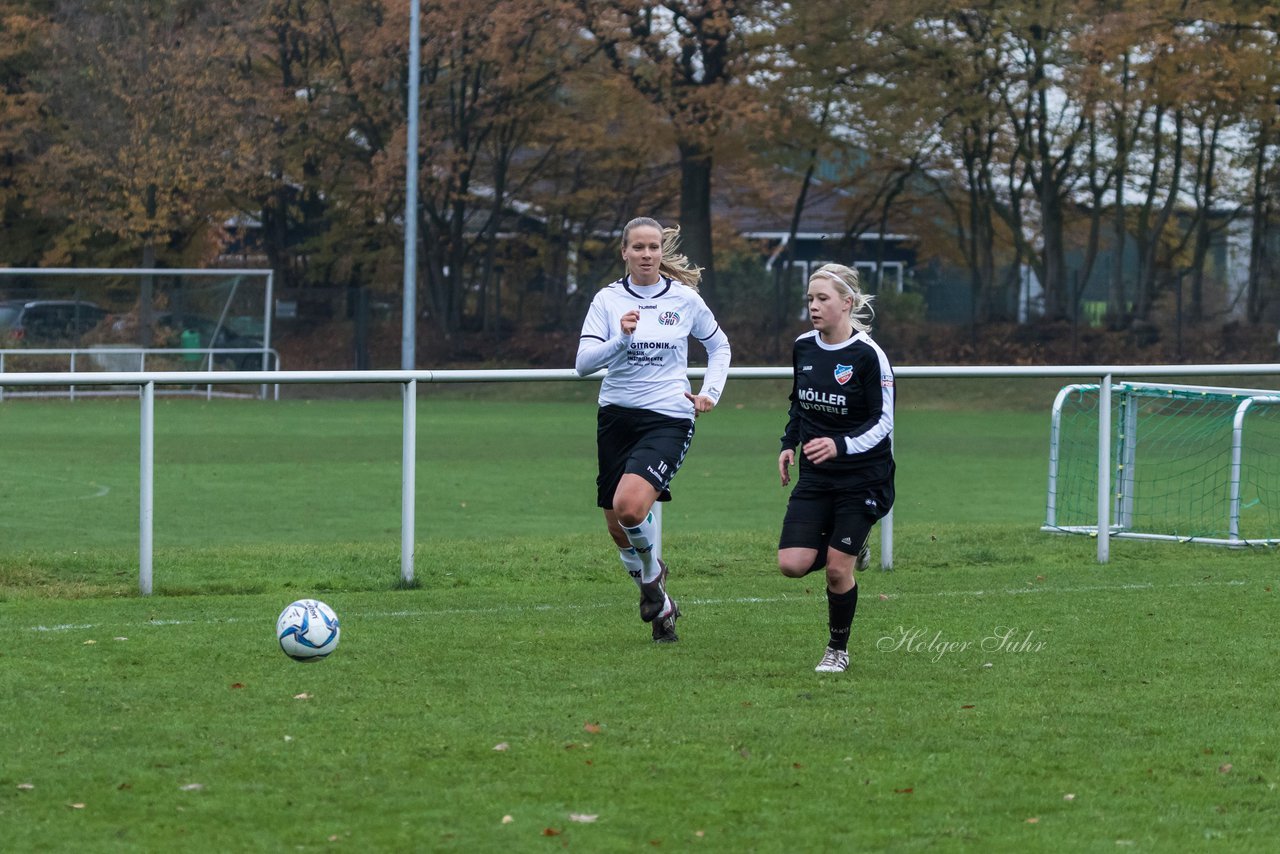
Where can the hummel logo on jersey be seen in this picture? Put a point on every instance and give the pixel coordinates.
(646, 306)
(870, 502)
(844, 373)
(807, 368)
(847, 541)
(668, 318)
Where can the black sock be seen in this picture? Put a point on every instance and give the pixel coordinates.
(840, 608)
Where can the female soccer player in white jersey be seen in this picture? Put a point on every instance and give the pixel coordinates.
(841, 419)
(639, 328)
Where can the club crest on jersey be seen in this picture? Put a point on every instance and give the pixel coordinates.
(844, 373)
(668, 318)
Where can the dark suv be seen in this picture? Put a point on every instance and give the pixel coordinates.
(37, 322)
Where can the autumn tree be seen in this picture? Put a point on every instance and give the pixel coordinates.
(947, 65)
(24, 132)
(306, 99)
(689, 58)
(1261, 121)
(132, 165)
(597, 174)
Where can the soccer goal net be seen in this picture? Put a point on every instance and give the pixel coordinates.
(137, 319)
(1188, 463)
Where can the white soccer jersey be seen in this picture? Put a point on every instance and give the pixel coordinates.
(649, 369)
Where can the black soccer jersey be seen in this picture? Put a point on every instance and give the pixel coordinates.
(844, 391)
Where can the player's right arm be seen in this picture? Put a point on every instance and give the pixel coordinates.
(601, 340)
(790, 435)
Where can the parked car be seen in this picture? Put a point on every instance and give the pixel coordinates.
(47, 322)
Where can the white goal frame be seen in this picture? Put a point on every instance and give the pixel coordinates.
(267, 275)
(1126, 460)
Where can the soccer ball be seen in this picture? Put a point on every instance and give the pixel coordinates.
(308, 630)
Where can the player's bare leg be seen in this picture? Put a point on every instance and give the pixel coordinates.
(631, 524)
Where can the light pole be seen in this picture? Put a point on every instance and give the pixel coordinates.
(409, 332)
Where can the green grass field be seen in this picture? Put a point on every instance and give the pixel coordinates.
(1006, 692)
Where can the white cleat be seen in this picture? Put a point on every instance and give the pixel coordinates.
(833, 661)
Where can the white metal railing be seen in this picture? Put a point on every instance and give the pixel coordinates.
(269, 355)
(408, 381)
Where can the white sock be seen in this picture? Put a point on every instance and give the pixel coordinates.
(642, 537)
(632, 564)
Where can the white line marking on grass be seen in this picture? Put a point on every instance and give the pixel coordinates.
(99, 490)
(740, 600)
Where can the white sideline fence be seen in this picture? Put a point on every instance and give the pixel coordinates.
(135, 359)
(408, 381)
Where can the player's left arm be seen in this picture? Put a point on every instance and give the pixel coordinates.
(719, 355)
(875, 376)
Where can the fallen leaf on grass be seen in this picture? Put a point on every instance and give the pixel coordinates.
(235, 685)
(582, 818)
(592, 728)
(1225, 768)
(699, 833)
(125, 786)
(90, 642)
(333, 838)
(192, 787)
(26, 787)
(884, 598)
(906, 791)
(1033, 820)
(502, 745)
(1068, 797)
(120, 639)
(506, 819)
(550, 831)
(303, 696)
(970, 706)
(76, 806)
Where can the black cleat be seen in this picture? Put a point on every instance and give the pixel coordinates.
(664, 630)
(653, 596)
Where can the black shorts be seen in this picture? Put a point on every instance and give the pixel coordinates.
(638, 441)
(836, 513)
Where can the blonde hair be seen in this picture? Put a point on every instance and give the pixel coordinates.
(846, 279)
(674, 264)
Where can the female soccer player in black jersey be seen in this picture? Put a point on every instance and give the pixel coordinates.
(639, 328)
(841, 420)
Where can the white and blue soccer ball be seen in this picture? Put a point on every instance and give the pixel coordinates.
(308, 630)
